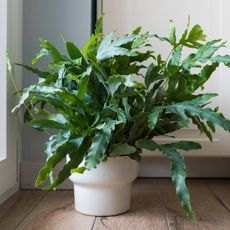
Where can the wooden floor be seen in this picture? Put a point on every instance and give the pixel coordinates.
(154, 206)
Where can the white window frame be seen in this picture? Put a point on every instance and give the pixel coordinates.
(3, 77)
(99, 8)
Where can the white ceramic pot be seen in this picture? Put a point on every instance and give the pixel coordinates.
(106, 190)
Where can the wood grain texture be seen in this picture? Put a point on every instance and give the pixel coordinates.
(17, 207)
(210, 213)
(146, 211)
(56, 212)
(221, 190)
(154, 206)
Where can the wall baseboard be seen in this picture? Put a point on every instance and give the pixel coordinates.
(196, 167)
(29, 172)
(9, 193)
(150, 167)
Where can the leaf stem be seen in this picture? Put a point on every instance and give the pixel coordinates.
(17, 90)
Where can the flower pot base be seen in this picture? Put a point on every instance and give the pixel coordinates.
(102, 201)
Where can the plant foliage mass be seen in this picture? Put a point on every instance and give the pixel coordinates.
(94, 107)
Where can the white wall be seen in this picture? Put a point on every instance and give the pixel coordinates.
(49, 19)
(9, 166)
(3, 48)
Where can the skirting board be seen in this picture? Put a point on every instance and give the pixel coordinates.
(150, 167)
(29, 172)
(196, 167)
(9, 193)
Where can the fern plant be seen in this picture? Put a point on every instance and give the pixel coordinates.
(97, 109)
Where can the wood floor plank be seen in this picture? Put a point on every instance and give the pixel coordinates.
(210, 213)
(221, 190)
(56, 212)
(17, 207)
(152, 200)
(146, 211)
